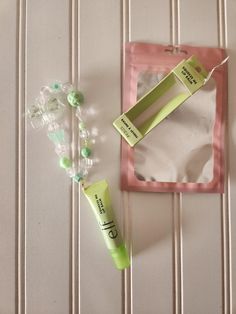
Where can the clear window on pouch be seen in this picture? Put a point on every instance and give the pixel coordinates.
(180, 148)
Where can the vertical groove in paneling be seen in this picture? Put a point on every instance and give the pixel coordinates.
(177, 255)
(177, 197)
(75, 188)
(225, 198)
(127, 291)
(222, 24)
(175, 22)
(127, 294)
(126, 26)
(21, 161)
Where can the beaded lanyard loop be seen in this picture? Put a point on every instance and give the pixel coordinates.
(49, 111)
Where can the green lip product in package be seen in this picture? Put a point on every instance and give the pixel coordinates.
(182, 82)
(99, 199)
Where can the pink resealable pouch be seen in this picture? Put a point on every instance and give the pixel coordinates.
(185, 152)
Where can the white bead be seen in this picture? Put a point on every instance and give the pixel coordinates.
(83, 171)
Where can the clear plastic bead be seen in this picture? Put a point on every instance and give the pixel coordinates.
(87, 142)
(34, 111)
(71, 172)
(48, 118)
(81, 114)
(54, 109)
(82, 125)
(67, 87)
(89, 162)
(40, 101)
(37, 122)
(86, 163)
(83, 171)
(62, 150)
(45, 92)
(53, 126)
(52, 105)
(84, 134)
(35, 115)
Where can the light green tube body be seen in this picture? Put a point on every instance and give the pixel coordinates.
(99, 199)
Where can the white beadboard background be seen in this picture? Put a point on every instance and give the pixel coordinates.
(52, 257)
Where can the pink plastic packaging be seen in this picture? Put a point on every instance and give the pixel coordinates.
(185, 152)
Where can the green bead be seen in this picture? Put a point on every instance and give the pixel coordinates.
(75, 98)
(56, 86)
(82, 126)
(85, 152)
(78, 178)
(65, 162)
(57, 136)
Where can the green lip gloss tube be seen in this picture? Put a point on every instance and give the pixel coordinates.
(100, 201)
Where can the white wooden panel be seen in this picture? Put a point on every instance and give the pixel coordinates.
(48, 189)
(150, 21)
(231, 17)
(151, 214)
(201, 254)
(8, 157)
(201, 215)
(152, 253)
(198, 23)
(100, 81)
(179, 244)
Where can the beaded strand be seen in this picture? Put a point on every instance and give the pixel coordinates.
(49, 111)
